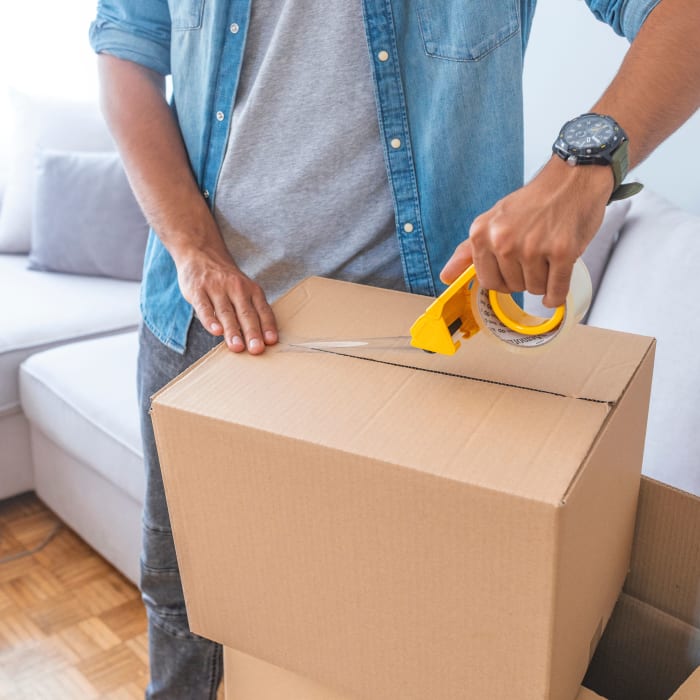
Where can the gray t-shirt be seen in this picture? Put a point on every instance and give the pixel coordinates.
(303, 188)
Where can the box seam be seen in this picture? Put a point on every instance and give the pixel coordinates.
(467, 377)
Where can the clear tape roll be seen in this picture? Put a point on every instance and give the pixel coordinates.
(577, 302)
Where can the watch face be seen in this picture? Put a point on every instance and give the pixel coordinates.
(590, 134)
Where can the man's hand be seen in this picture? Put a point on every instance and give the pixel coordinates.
(226, 301)
(531, 239)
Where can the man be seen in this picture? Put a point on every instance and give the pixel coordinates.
(359, 139)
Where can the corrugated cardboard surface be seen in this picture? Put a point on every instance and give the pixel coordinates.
(652, 642)
(248, 678)
(399, 525)
(690, 689)
(585, 694)
(665, 566)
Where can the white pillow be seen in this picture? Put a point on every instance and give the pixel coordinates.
(652, 287)
(46, 124)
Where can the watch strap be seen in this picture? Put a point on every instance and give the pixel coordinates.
(620, 167)
(626, 190)
(620, 162)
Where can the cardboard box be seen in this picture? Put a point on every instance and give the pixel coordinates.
(585, 694)
(248, 678)
(690, 690)
(393, 524)
(652, 643)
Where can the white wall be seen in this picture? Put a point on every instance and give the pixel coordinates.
(44, 50)
(571, 59)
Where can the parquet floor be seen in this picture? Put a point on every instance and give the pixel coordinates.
(71, 626)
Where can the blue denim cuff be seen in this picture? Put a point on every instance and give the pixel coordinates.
(109, 37)
(634, 14)
(624, 16)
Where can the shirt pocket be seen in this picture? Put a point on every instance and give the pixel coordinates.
(186, 14)
(466, 30)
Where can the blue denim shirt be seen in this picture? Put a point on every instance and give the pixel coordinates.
(448, 87)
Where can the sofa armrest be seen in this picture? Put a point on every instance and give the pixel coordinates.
(651, 286)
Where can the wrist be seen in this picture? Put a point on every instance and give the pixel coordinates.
(190, 233)
(594, 182)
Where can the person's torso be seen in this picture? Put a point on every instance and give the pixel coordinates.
(447, 80)
(303, 189)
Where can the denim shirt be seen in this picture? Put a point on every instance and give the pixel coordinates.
(448, 88)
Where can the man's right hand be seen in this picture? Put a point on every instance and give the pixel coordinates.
(226, 301)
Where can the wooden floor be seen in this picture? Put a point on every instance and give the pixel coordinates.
(71, 626)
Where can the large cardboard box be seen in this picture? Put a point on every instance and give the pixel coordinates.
(393, 524)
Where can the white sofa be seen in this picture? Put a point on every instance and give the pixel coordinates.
(81, 448)
(42, 312)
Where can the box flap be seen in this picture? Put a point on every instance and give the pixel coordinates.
(381, 408)
(645, 654)
(665, 566)
(428, 422)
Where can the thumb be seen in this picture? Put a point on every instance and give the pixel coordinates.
(461, 259)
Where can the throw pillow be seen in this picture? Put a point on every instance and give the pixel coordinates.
(42, 124)
(595, 256)
(86, 220)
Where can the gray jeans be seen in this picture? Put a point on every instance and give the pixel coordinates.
(184, 666)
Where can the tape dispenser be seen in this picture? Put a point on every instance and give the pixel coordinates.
(465, 308)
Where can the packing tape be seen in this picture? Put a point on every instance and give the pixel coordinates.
(502, 319)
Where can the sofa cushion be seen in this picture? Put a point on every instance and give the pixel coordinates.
(652, 286)
(86, 220)
(41, 309)
(83, 397)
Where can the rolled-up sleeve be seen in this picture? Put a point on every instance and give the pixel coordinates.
(135, 30)
(624, 16)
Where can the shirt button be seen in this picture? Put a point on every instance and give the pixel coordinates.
(234, 28)
(383, 56)
(395, 143)
(206, 194)
(408, 227)
(220, 116)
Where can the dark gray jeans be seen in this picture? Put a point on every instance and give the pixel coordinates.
(184, 666)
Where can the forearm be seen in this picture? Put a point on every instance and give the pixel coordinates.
(225, 300)
(149, 141)
(658, 85)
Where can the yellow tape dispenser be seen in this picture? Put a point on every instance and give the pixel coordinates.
(465, 308)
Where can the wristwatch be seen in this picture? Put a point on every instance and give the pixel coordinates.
(597, 139)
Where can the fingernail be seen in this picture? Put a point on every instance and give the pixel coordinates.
(236, 340)
(270, 336)
(215, 327)
(255, 344)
